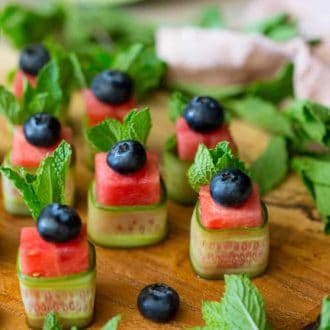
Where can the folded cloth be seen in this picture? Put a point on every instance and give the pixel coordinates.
(312, 16)
(217, 57)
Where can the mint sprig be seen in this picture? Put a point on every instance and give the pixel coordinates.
(113, 323)
(241, 307)
(325, 314)
(47, 184)
(210, 161)
(136, 126)
(177, 103)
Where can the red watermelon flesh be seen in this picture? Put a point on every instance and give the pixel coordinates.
(27, 155)
(97, 111)
(215, 216)
(188, 139)
(140, 188)
(19, 82)
(39, 258)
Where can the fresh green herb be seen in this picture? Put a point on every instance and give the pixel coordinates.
(143, 65)
(47, 184)
(136, 126)
(23, 26)
(52, 322)
(210, 161)
(45, 97)
(177, 103)
(278, 27)
(315, 173)
(242, 307)
(325, 314)
(113, 323)
(211, 17)
(275, 157)
(261, 113)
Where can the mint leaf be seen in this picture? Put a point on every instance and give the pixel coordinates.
(23, 26)
(275, 157)
(9, 107)
(262, 114)
(315, 174)
(136, 126)
(143, 65)
(242, 307)
(278, 27)
(177, 103)
(52, 322)
(211, 17)
(210, 161)
(113, 323)
(47, 185)
(325, 314)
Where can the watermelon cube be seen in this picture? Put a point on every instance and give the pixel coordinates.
(27, 155)
(188, 140)
(215, 216)
(39, 258)
(19, 82)
(140, 188)
(97, 111)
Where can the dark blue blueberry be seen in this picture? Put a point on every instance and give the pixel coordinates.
(158, 302)
(113, 87)
(42, 130)
(204, 114)
(58, 223)
(127, 156)
(230, 187)
(33, 58)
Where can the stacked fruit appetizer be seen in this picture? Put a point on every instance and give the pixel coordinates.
(199, 120)
(229, 226)
(55, 262)
(36, 134)
(127, 200)
(31, 60)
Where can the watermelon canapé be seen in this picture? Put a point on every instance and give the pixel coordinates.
(27, 155)
(97, 110)
(19, 82)
(188, 140)
(39, 258)
(139, 188)
(215, 216)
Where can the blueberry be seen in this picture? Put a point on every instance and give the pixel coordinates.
(230, 187)
(42, 130)
(127, 156)
(158, 302)
(113, 87)
(204, 114)
(58, 223)
(33, 58)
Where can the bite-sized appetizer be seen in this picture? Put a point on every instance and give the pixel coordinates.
(229, 227)
(55, 263)
(199, 120)
(127, 199)
(31, 60)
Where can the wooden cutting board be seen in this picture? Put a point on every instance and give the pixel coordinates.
(293, 286)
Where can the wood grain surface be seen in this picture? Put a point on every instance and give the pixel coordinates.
(296, 279)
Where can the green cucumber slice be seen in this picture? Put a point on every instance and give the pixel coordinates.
(175, 171)
(126, 226)
(14, 203)
(71, 297)
(214, 253)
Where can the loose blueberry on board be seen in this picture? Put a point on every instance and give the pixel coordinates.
(127, 156)
(42, 130)
(33, 58)
(113, 87)
(158, 302)
(230, 187)
(58, 223)
(204, 114)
